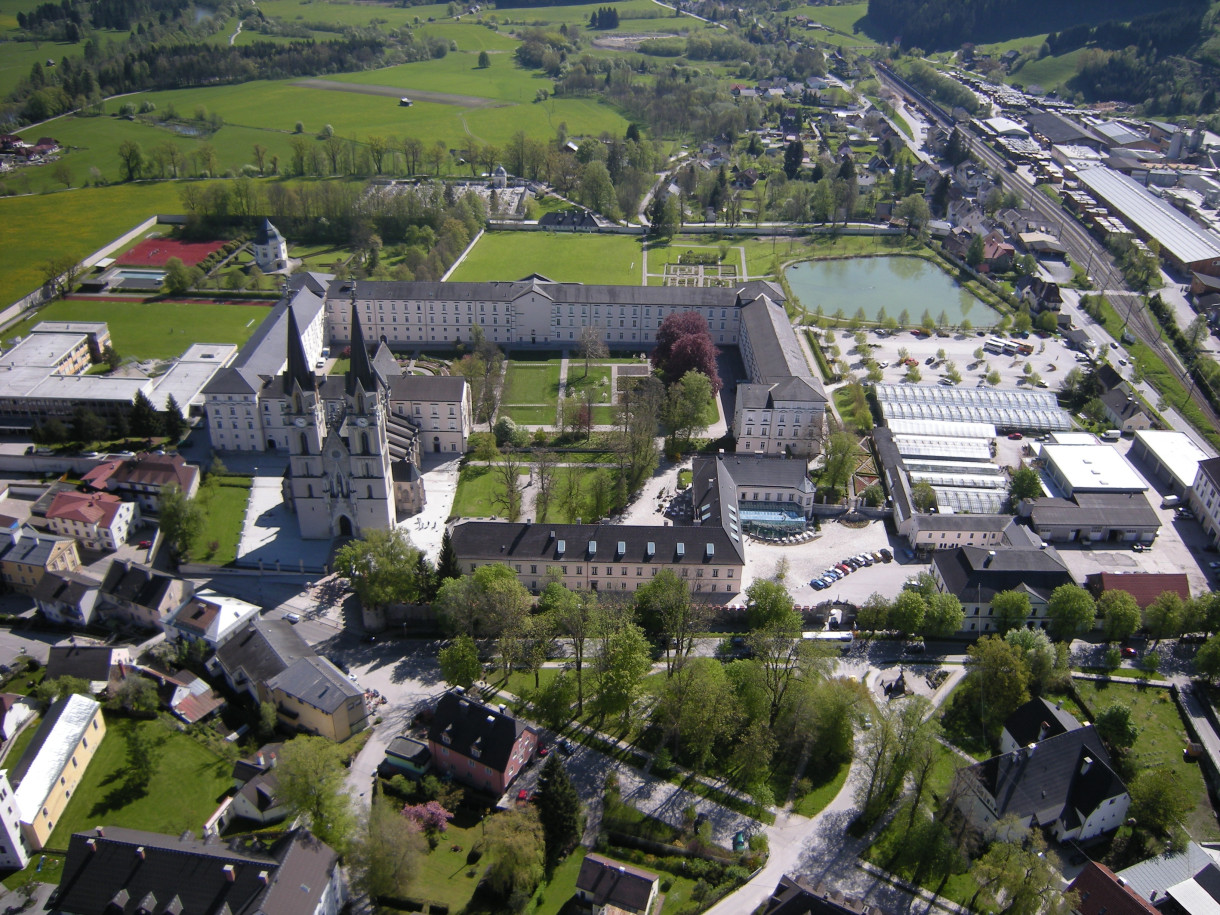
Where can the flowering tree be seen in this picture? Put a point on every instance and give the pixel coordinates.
(684, 344)
(431, 816)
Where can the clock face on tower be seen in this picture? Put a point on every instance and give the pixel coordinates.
(362, 421)
(300, 421)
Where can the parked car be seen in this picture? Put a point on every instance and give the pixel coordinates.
(817, 584)
(1142, 547)
(292, 617)
(877, 557)
(1130, 653)
(1015, 436)
(565, 747)
(144, 544)
(886, 555)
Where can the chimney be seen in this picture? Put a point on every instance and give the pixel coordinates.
(990, 556)
(501, 707)
(230, 873)
(1029, 750)
(101, 831)
(1086, 764)
(264, 877)
(140, 852)
(1042, 731)
(91, 844)
(460, 690)
(261, 761)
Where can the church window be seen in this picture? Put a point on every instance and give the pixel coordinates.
(304, 443)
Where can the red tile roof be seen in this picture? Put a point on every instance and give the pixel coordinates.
(1098, 891)
(90, 508)
(1145, 587)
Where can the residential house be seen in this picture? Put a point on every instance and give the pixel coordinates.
(144, 477)
(1063, 782)
(479, 745)
(1145, 587)
(211, 618)
(126, 870)
(405, 756)
(1124, 412)
(15, 711)
(1099, 891)
(14, 850)
(53, 765)
(95, 663)
(68, 598)
(138, 595)
(98, 520)
(1152, 879)
(1042, 295)
(190, 698)
(570, 220)
(997, 253)
(1033, 722)
(26, 555)
(1205, 498)
(975, 576)
(610, 887)
(257, 787)
(801, 896)
(270, 662)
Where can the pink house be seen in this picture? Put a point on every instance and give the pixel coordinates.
(480, 745)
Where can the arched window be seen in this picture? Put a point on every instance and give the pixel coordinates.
(364, 442)
(304, 443)
(370, 492)
(310, 488)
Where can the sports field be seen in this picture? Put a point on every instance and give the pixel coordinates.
(72, 223)
(155, 330)
(565, 258)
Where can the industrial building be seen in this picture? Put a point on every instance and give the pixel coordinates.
(1173, 457)
(1091, 468)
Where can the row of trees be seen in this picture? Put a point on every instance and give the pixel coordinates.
(87, 427)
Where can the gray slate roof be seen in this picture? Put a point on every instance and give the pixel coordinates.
(1104, 509)
(317, 682)
(1025, 724)
(1156, 875)
(265, 648)
(613, 883)
(970, 573)
(137, 584)
(470, 725)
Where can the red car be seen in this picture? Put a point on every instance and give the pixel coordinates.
(523, 796)
(1130, 653)
(144, 544)
(1015, 436)
(543, 749)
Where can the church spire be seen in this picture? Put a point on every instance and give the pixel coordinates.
(298, 371)
(361, 369)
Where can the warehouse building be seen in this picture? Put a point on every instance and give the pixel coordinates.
(1173, 457)
(1093, 468)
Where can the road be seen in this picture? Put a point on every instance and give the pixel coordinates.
(1081, 246)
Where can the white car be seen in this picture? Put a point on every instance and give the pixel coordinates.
(883, 365)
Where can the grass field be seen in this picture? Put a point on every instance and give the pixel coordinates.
(1159, 745)
(824, 791)
(225, 510)
(476, 490)
(156, 330)
(1049, 72)
(75, 223)
(565, 258)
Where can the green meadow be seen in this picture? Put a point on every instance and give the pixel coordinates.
(565, 258)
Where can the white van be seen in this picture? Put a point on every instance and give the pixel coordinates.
(1111, 435)
(1171, 502)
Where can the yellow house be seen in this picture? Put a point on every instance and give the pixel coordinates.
(53, 765)
(27, 555)
(312, 695)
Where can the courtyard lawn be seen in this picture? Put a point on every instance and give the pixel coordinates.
(476, 491)
(224, 511)
(154, 330)
(531, 392)
(1161, 739)
(565, 258)
(443, 875)
(74, 223)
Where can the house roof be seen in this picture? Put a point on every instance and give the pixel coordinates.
(1152, 878)
(410, 749)
(315, 681)
(799, 896)
(89, 662)
(777, 352)
(1026, 723)
(1099, 892)
(137, 584)
(435, 388)
(1096, 509)
(33, 549)
(98, 508)
(261, 761)
(1145, 587)
(472, 729)
(262, 650)
(146, 469)
(65, 588)
(48, 753)
(212, 616)
(1200, 895)
(612, 883)
(1121, 404)
(976, 576)
(1052, 781)
(260, 791)
(1211, 470)
(188, 875)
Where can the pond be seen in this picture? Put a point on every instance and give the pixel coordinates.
(886, 286)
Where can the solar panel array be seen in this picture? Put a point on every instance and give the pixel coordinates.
(1029, 411)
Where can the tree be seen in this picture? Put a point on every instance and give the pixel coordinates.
(592, 345)
(486, 603)
(975, 254)
(1163, 617)
(384, 568)
(516, 847)
(137, 694)
(794, 155)
(559, 810)
(387, 851)
(1025, 484)
(924, 496)
(484, 60)
(1010, 610)
(179, 278)
(459, 662)
(1018, 871)
(131, 158)
(839, 458)
(447, 566)
(1120, 614)
(664, 607)
(697, 710)
(507, 472)
(874, 613)
(172, 421)
(312, 781)
(268, 720)
(684, 343)
(1207, 660)
(686, 406)
(944, 616)
(1115, 727)
(622, 661)
(1159, 800)
(996, 681)
(111, 357)
(1072, 611)
(907, 612)
(181, 521)
(145, 420)
(914, 210)
(87, 426)
(50, 690)
(769, 606)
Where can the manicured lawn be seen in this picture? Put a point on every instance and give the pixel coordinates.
(17, 747)
(154, 330)
(824, 791)
(476, 489)
(443, 874)
(75, 223)
(1159, 745)
(225, 510)
(1049, 72)
(565, 258)
(531, 392)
